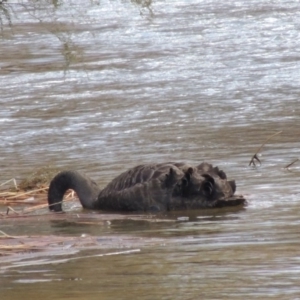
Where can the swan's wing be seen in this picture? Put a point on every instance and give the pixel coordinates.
(141, 174)
(152, 194)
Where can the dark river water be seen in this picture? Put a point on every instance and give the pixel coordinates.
(101, 86)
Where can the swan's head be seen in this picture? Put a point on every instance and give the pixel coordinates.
(206, 189)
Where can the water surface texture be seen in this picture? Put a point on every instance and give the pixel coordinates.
(101, 86)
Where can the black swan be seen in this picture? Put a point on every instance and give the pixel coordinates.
(150, 187)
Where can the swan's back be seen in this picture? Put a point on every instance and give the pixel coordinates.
(141, 174)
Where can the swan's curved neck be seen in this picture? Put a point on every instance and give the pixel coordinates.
(85, 188)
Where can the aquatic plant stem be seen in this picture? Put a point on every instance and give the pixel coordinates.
(254, 157)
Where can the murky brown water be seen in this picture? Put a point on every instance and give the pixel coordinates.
(101, 86)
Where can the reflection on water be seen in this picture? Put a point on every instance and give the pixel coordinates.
(101, 86)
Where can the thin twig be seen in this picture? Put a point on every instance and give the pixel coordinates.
(8, 193)
(42, 206)
(27, 193)
(10, 208)
(254, 157)
(13, 180)
(289, 165)
(34, 208)
(5, 234)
